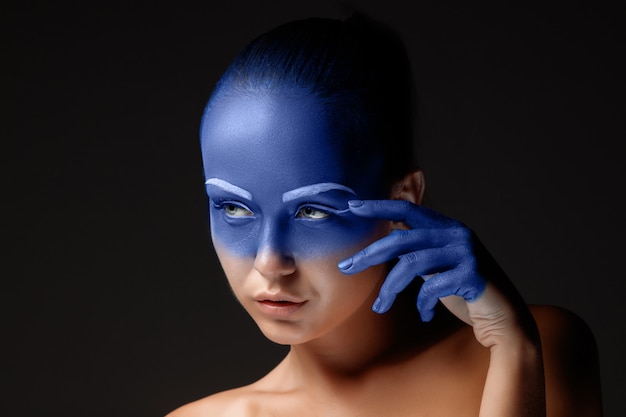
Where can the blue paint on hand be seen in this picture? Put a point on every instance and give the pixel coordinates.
(435, 247)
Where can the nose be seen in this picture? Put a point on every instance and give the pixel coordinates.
(273, 264)
(273, 259)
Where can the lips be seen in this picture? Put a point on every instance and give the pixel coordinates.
(279, 297)
(279, 305)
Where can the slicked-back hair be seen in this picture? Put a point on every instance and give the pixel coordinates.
(357, 67)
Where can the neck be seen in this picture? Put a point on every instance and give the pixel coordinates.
(349, 348)
(358, 347)
(362, 346)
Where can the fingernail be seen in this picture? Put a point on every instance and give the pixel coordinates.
(376, 306)
(355, 203)
(345, 264)
(427, 316)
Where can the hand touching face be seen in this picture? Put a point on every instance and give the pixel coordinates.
(455, 266)
(435, 247)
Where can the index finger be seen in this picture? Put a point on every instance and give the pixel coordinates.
(400, 211)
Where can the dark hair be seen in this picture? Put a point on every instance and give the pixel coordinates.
(357, 66)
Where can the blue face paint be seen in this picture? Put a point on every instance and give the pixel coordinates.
(279, 177)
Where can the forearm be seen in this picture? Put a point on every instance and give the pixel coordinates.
(515, 384)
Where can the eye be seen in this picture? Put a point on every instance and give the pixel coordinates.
(313, 213)
(233, 210)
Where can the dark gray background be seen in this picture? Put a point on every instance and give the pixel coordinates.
(113, 303)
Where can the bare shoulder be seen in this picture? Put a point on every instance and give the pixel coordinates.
(233, 402)
(570, 361)
(566, 339)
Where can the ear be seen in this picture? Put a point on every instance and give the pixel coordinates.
(410, 188)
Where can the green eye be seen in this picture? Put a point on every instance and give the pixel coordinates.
(311, 213)
(233, 210)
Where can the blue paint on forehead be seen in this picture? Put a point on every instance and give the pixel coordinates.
(269, 159)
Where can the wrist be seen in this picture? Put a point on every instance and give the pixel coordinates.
(515, 384)
(500, 323)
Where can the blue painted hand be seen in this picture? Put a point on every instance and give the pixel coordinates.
(443, 251)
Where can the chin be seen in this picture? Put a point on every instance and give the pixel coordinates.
(285, 333)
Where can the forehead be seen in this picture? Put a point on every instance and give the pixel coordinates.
(275, 141)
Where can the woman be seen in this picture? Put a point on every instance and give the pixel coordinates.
(316, 219)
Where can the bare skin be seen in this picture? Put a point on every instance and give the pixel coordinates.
(442, 372)
(484, 354)
(349, 279)
(467, 361)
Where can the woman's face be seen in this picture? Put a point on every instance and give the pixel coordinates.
(279, 181)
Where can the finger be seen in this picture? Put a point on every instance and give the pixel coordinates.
(410, 265)
(393, 285)
(400, 242)
(462, 281)
(400, 211)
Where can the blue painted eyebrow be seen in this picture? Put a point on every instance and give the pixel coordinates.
(309, 190)
(228, 187)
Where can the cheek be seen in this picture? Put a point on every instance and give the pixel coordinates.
(340, 239)
(339, 295)
(235, 268)
(324, 242)
(339, 286)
